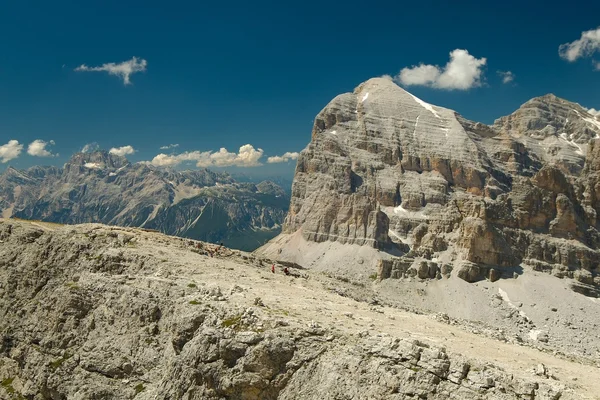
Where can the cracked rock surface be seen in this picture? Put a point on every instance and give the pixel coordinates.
(96, 312)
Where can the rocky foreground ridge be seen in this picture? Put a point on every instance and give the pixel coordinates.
(97, 312)
(441, 195)
(105, 188)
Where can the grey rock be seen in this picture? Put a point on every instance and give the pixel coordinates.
(388, 170)
(73, 328)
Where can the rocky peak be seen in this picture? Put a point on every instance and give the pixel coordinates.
(551, 116)
(14, 176)
(97, 160)
(387, 169)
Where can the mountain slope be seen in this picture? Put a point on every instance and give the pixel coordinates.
(101, 187)
(98, 312)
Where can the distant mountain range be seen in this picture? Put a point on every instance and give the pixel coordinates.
(105, 188)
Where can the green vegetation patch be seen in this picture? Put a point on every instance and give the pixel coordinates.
(72, 285)
(59, 362)
(139, 388)
(232, 322)
(7, 385)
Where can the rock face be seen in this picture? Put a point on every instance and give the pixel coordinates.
(94, 312)
(101, 187)
(386, 169)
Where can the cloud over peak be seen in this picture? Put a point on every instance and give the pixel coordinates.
(37, 148)
(169, 146)
(10, 151)
(122, 151)
(462, 72)
(284, 158)
(247, 156)
(90, 147)
(585, 46)
(123, 70)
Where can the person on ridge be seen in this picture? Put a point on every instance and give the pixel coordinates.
(273, 268)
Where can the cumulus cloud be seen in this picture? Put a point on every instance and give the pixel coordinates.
(123, 70)
(169, 146)
(37, 148)
(284, 158)
(507, 76)
(10, 151)
(462, 72)
(594, 112)
(122, 151)
(247, 156)
(585, 46)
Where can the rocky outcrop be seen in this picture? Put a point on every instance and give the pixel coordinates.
(386, 169)
(105, 188)
(91, 312)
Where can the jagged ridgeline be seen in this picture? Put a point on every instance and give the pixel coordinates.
(387, 170)
(105, 188)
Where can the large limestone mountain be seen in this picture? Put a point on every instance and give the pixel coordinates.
(436, 192)
(105, 188)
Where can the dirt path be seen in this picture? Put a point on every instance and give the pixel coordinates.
(308, 300)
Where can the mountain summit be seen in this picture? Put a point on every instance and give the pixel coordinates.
(388, 170)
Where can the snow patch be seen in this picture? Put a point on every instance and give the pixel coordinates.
(112, 174)
(400, 209)
(392, 233)
(334, 132)
(571, 143)
(506, 299)
(425, 105)
(416, 124)
(534, 334)
(366, 96)
(92, 165)
(594, 122)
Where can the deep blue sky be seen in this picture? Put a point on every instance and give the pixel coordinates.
(224, 74)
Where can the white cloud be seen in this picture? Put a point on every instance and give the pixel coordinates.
(594, 112)
(585, 46)
(90, 147)
(37, 148)
(284, 158)
(169, 146)
(507, 76)
(123, 70)
(462, 72)
(10, 151)
(247, 156)
(122, 151)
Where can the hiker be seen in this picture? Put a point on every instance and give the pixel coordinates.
(273, 268)
(286, 271)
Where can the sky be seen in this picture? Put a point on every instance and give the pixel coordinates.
(237, 84)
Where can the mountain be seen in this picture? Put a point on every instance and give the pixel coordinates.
(105, 188)
(98, 312)
(432, 193)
